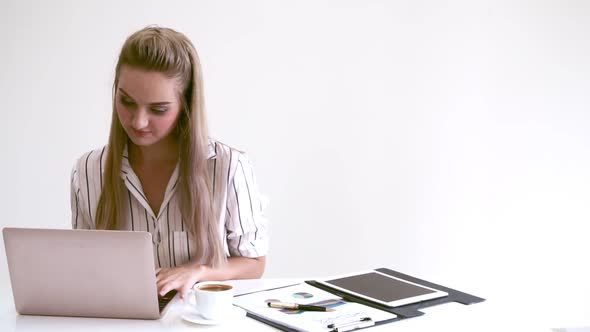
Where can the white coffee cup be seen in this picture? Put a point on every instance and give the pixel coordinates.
(213, 300)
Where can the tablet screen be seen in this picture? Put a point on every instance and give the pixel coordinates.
(381, 287)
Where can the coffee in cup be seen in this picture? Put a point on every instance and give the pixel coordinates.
(214, 287)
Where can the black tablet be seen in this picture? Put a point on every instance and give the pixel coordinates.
(382, 288)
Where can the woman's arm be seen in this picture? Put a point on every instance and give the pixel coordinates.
(182, 278)
(247, 238)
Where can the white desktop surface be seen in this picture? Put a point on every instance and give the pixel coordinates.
(484, 316)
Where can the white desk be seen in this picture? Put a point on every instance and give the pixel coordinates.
(485, 316)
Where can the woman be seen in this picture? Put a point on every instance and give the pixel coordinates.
(161, 173)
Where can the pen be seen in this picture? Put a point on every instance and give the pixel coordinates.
(295, 306)
(353, 326)
(335, 325)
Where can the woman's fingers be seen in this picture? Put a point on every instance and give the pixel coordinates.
(167, 285)
(177, 278)
(184, 290)
(164, 283)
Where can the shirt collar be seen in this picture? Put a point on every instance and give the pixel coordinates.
(212, 154)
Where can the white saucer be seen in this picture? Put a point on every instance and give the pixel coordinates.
(191, 314)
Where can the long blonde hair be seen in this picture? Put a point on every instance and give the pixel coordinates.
(170, 52)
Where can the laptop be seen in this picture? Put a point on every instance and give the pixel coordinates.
(84, 273)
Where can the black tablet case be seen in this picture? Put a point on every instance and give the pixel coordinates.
(402, 312)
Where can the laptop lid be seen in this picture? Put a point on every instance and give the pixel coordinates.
(84, 273)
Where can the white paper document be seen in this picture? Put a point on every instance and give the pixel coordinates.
(308, 321)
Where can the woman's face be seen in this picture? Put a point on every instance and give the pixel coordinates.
(148, 105)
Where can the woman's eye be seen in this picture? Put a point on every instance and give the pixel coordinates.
(127, 102)
(159, 109)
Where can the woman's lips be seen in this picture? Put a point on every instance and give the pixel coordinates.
(141, 132)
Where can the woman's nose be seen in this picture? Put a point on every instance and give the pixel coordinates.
(140, 119)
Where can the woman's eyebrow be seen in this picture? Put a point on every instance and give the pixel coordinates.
(159, 103)
(125, 93)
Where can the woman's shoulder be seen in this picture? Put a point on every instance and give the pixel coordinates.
(221, 151)
(91, 159)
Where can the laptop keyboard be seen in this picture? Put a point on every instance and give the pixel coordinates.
(164, 300)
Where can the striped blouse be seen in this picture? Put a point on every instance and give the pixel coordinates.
(241, 221)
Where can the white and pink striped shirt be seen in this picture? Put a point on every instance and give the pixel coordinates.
(241, 220)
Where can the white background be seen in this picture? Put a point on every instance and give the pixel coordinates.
(444, 139)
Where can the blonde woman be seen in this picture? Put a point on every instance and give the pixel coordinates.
(161, 173)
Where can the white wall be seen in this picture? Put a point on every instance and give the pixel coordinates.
(448, 140)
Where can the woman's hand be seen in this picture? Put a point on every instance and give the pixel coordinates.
(182, 278)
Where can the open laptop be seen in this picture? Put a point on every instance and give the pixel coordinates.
(86, 273)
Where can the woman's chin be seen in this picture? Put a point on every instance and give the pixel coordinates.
(142, 141)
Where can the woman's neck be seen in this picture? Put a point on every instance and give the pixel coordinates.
(157, 154)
